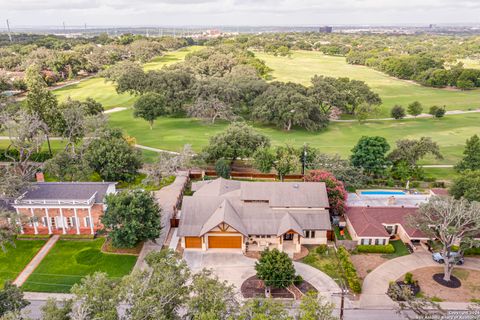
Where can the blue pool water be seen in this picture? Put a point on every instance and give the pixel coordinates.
(382, 192)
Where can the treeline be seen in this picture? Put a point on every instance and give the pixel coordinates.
(228, 82)
(430, 60)
(61, 58)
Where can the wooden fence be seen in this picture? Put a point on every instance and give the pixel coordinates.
(245, 175)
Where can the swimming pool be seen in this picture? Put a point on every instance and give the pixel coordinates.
(382, 192)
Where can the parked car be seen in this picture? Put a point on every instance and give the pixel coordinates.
(438, 257)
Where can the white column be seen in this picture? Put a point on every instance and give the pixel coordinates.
(63, 221)
(33, 221)
(48, 221)
(19, 221)
(77, 222)
(91, 220)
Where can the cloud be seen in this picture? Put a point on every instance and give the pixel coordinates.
(184, 12)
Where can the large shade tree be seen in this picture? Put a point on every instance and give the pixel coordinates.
(467, 185)
(370, 154)
(149, 107)
(471, 155)
(131, 217)
(276, 269)
(450, 221)
(238, 140)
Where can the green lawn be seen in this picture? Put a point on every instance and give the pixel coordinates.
(69, 261)
(172, 133)
(104, 92)
(400, 249)
(303, 65)
(14, 260)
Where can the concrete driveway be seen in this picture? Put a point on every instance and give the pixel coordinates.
(376, 282)
(235, 268)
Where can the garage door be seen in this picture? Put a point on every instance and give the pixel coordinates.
(193, 242)
(234, 242)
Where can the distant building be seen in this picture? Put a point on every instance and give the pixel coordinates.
(325, 29)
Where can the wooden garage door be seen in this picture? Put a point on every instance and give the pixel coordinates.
(193, 242)
(230, 242)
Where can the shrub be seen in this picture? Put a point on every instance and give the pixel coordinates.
(310, 259)
(408, 278)
(472, 251)
(321, 249)
(376, 248)
(222, 168)
(398, 112)
(437, 112)
(33, 236)
(297, 280)
(77, 236)
(349, 270)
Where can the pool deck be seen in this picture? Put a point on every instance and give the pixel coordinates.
(386, 200)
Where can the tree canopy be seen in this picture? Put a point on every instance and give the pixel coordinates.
(471, 155)
(275, 268)
(131, 217)
(370, 154)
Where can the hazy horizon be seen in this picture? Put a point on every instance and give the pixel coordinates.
(198, 13)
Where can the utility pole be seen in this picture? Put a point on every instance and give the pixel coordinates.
(64, 29)
(9, 33)
(85, 28)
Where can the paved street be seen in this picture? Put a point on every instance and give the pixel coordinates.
(376, 282)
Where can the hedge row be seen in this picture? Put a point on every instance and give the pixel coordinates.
(77, 236)
(472, 251)
(32, 236)
(349, 270)
(41, 156)
(389, 248)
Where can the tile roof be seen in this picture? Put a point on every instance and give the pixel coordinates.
(369, 221)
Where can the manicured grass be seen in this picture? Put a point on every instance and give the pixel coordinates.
(14, 260)
(400, 249)
(104, 92)
(340, 237)
(172, 133)
(303, 65)
(70, 260)
(447, 174)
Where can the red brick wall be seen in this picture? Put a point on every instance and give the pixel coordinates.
(96, 212)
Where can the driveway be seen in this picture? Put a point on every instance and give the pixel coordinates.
(376, 282)
(235, 268)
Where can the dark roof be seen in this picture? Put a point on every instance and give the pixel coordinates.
(368, 221)
(67, 191)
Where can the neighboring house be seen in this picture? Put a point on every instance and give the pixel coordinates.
(375, 225)
(404, 200)
(63, 207)
(251, 216)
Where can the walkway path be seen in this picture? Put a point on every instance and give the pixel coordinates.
(376, 282)
(423, 115)
(33, 264)
(117, 109)
(167, 198)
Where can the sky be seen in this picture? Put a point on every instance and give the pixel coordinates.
(237, 12)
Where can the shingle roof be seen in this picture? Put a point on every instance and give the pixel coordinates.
(68, 191)
(368, 221)
(223, 200)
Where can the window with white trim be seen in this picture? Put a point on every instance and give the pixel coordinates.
(365, 241)
(310, 234)
(87, 222)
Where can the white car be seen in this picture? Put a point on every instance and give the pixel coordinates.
(438, 257)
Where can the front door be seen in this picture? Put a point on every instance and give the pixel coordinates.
(288, 236)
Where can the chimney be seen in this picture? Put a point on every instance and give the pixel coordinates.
(391, 201)
(39, 176)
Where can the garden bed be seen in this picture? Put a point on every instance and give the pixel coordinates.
(468, 291)
(109, 248)
(255, 288)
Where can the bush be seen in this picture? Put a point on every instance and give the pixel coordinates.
(77, 236)
(472, 251)
(33, 236)
(398, 112)
(437, 112)
(41, 156)
(309, 259)
(349, 270)
(321, 249)
(222, 168)
(297, 280)
(408, 278)
(376, 248)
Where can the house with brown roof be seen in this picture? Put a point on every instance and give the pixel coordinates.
(376, 225)
(251, 216)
